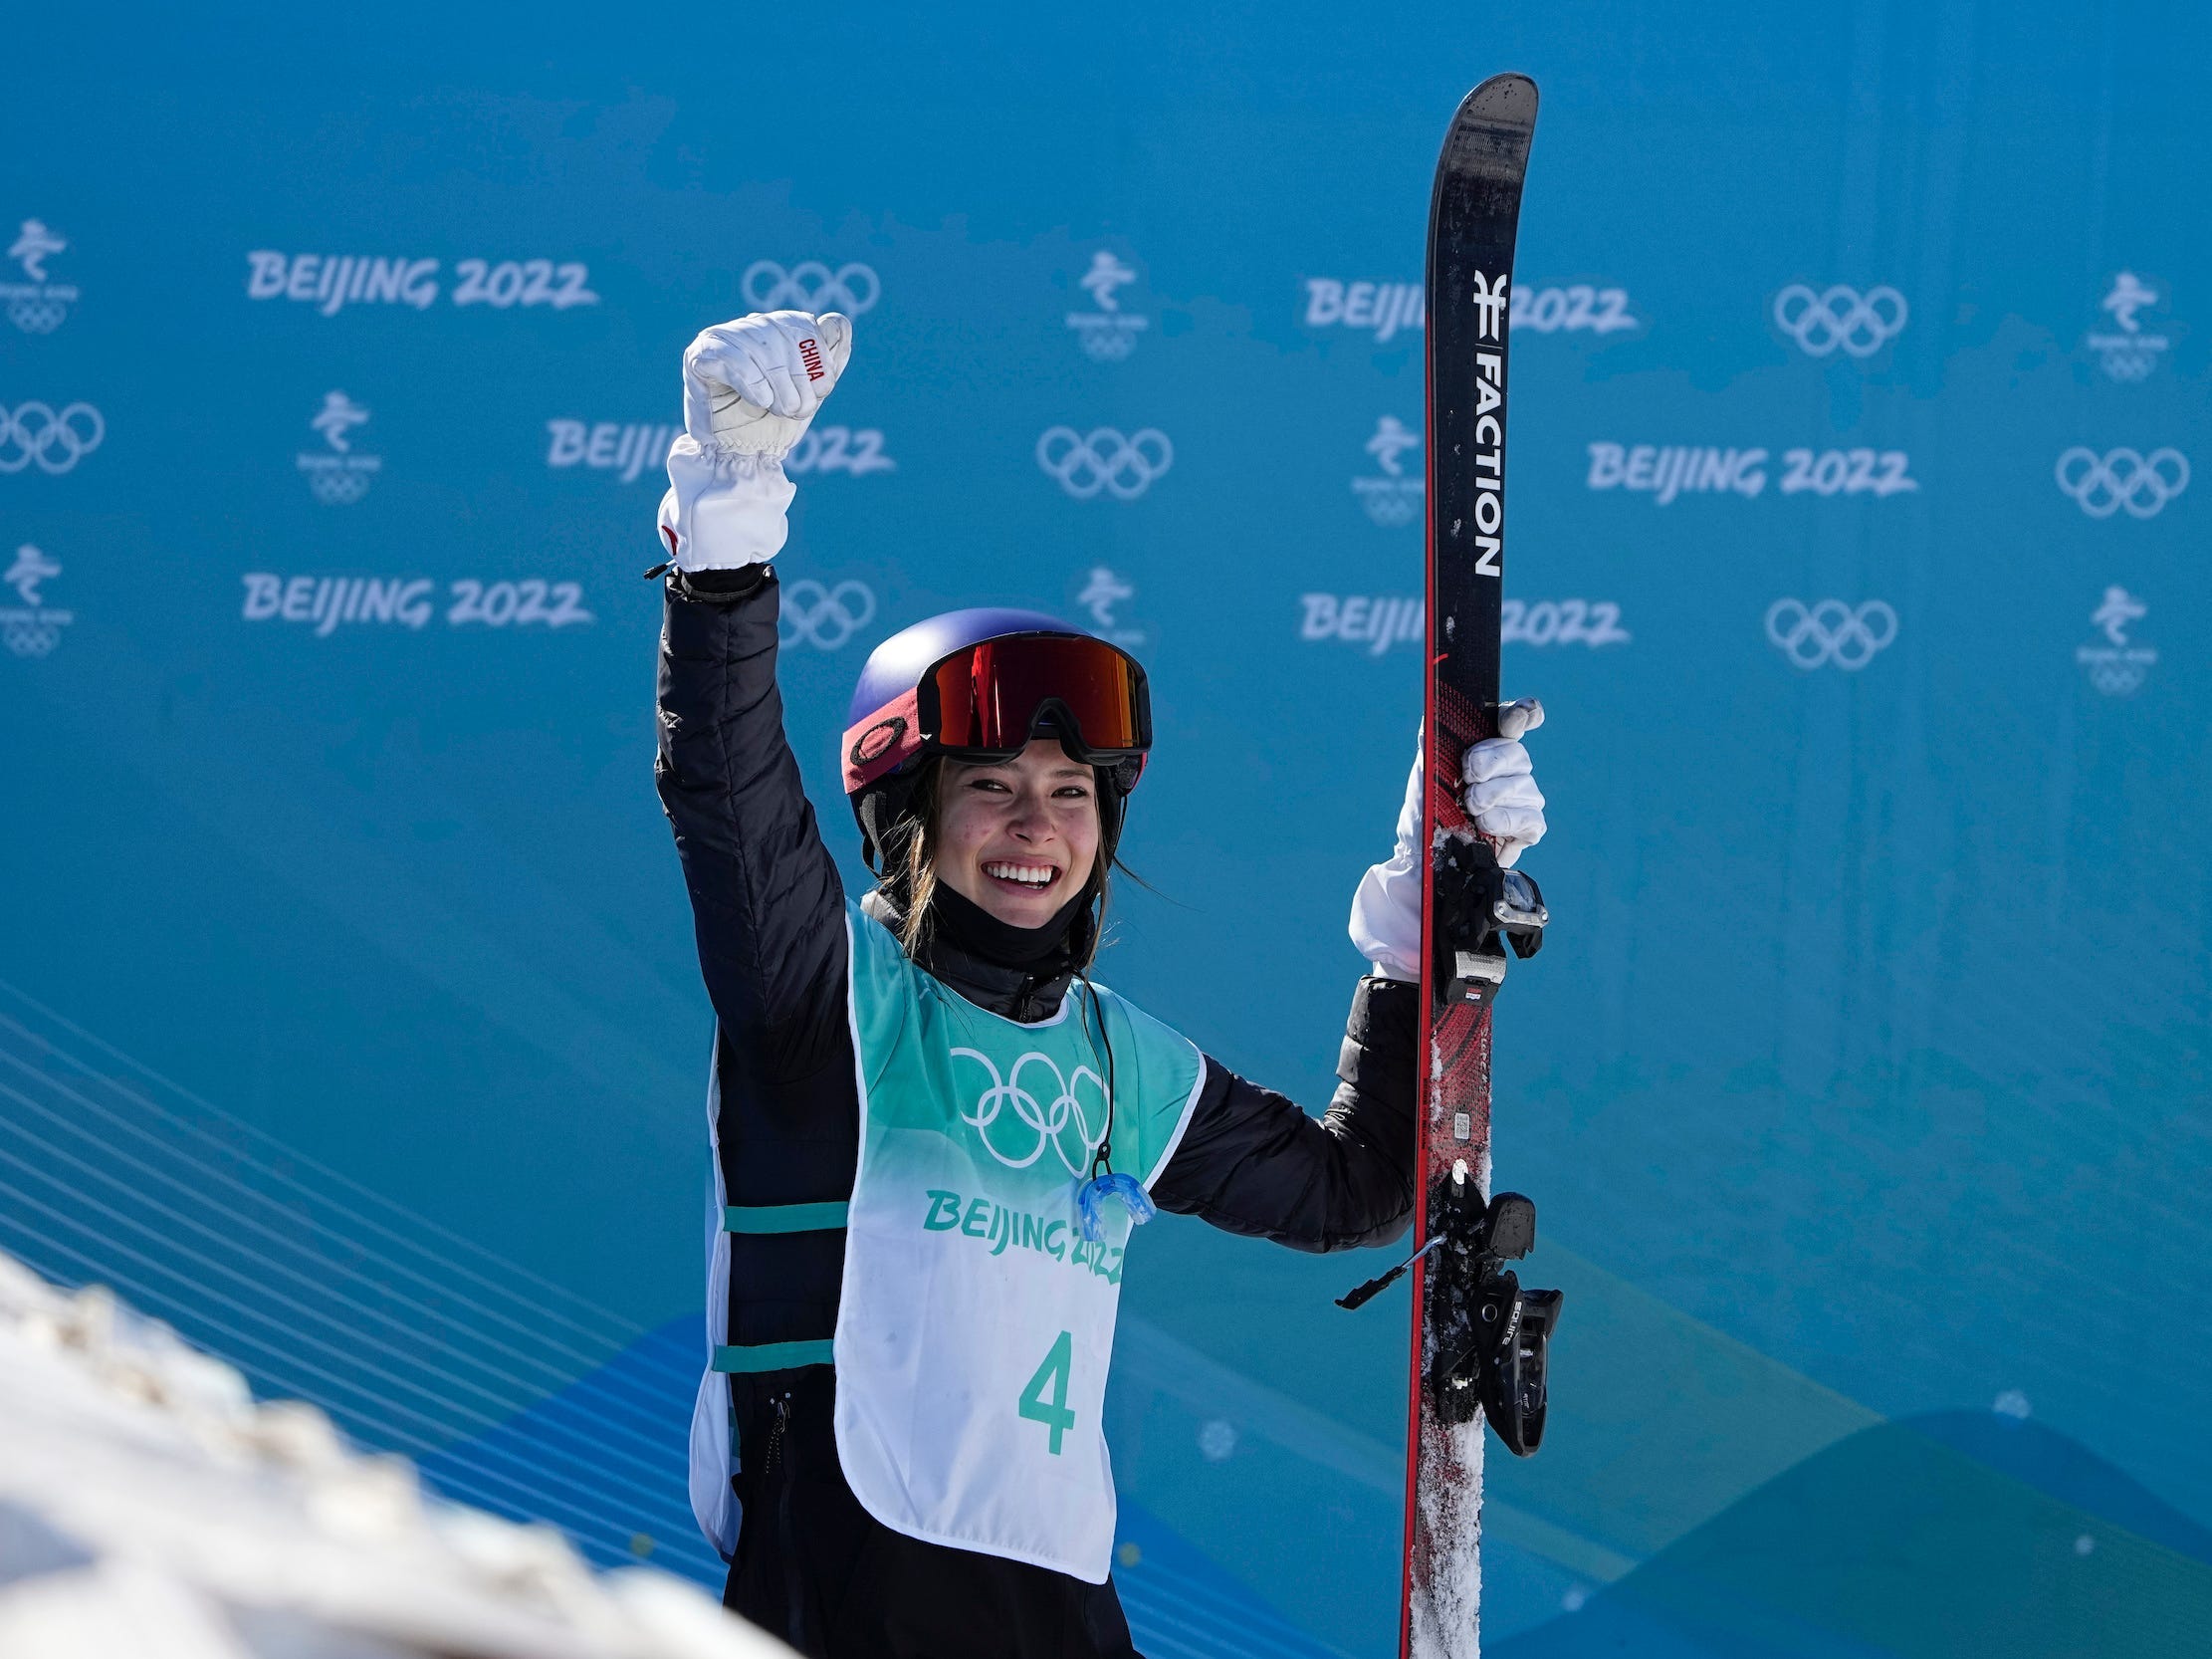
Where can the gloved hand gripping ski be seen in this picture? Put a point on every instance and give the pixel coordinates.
(1507, 808)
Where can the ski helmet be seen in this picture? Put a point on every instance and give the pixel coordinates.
(978, 686)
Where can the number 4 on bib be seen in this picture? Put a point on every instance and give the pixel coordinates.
(1052, 1374)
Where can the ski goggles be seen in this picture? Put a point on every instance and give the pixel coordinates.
(985, 702)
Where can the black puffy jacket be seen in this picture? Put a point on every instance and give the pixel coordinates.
(767, 907)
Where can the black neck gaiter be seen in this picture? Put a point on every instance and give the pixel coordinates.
(967, 926)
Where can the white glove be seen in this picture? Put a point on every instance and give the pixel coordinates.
(750, 390)
(1502, 797)
(1508, 808)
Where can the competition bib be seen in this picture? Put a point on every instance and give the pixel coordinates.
(976, 1321)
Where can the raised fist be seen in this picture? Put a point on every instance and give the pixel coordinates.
(753, 384)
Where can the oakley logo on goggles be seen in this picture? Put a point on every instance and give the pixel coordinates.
(985, 702)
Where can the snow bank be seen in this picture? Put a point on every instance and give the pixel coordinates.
(149, 1507)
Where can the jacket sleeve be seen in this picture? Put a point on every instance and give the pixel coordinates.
(767, 903)
(1253, 1162)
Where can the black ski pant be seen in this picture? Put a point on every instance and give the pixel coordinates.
(816, 1568)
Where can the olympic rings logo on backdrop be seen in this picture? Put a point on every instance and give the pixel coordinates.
(1831, 631)
(810, 286)
(823, 617)
(31, 639)
(1840, 316)
(1051, 1122)
(37, 317)
(339, 489)
(2102, 484)
(1102, 459)
(34, 432)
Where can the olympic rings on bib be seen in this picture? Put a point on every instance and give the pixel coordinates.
(823, 617)
(2101, 485)
(34, 432)
(1831, 631)
(1840, 315)
(1102, 459)
(1050, 1120)
(810, 286)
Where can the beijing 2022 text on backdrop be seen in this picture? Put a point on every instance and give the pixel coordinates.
(349, 1016)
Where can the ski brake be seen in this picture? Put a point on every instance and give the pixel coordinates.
(1492, 1338)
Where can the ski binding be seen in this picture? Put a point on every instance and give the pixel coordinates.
(1481, 909)
(1492, 1338)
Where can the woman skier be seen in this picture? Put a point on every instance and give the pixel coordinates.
(933, 1134)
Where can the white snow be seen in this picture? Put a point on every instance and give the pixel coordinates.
(149, 1507)
(1447, 1600)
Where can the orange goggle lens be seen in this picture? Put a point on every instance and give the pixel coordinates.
(985, 702)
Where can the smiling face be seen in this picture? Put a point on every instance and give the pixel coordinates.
(1017, 837)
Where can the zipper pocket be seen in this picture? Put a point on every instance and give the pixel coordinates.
(776, 1462)
(782, 1405)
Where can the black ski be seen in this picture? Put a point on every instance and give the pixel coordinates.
(1478, 1338)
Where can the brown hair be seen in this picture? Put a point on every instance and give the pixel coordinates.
(910, 866)
(915, 859)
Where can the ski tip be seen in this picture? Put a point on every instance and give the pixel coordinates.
(1511, 84)
(1504, 99)
(1492, 126)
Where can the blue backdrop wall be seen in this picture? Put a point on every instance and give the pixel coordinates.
(347, 1016)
